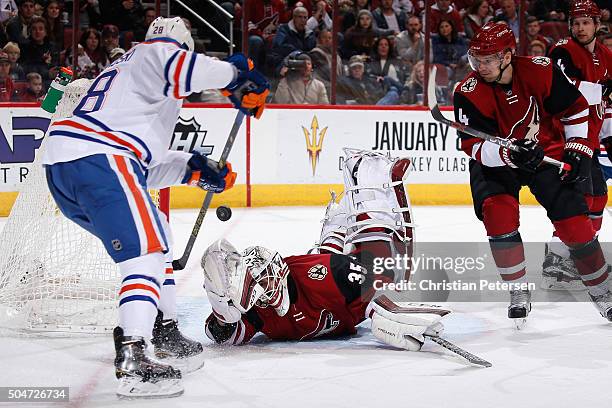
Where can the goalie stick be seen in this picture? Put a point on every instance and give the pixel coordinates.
(471, 358)
(179, 264)
(432, 103)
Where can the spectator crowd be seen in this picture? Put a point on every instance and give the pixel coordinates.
(381, 43)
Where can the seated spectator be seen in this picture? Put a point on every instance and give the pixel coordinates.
(405, 6)
(56, 28)
(508, 14)
(292, 36)
(17, 27)
(90, 14)
(110, 38)
(125, 14)
(12, 50)
(320, 18)
(359, 39)
(410, 45)
(297, 84)
(349, 10)
(85, 67)
(387, 18)
(39, 54)
(549, 10)
(536, 49)
(360, 89)
(450, 50)
(8, 10)
(533, 33)
(321, 57)
(414, 89)
(90, 40)
(477, 15)
(7, 88)
(383, 62)
(264, 19)
(34, 92)
(443, 10)
(141, 31)
(115, 54)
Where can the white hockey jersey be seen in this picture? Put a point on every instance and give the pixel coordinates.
(132, 107)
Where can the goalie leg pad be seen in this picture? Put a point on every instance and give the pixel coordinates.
(378, 204)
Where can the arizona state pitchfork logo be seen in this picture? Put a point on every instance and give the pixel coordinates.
(314, 142)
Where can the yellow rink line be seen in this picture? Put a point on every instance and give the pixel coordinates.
(300, 194)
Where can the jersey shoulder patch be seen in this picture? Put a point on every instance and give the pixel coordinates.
(544, 61)
(469, 84)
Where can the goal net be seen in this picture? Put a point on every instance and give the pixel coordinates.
(54, 276)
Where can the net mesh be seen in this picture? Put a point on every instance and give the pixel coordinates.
(54, 276)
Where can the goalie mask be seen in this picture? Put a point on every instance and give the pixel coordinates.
(173, 28)
(260, 280)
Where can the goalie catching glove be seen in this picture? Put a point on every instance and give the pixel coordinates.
(249, 90)
(404, 324)
(206, 174)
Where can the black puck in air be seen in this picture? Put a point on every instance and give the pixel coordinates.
(224, 213)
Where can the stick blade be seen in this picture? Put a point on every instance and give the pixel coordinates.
(471, 358)
(177, 265)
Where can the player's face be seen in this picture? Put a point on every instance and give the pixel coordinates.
(487, 66)
(583, 29)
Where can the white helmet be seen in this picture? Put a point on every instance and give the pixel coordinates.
(174, 28)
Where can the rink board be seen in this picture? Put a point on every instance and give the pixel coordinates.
(291, 156)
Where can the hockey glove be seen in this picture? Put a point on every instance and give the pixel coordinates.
(578, 154)
(527, 158)
(249, 90)
(404, 325)
(206, 174)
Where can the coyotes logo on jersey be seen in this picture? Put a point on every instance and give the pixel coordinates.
(528, 127)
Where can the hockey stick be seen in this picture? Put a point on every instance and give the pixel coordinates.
(432, 103)
(471, 358)
(179, 264)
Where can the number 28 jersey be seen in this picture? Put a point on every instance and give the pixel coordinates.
(132, 107)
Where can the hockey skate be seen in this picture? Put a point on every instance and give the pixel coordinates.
(603, 303)
(141, 376)
(173, 347)
(560, 273)
(520, 306)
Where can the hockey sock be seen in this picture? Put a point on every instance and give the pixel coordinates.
(509, 256)
(139, 294)
(592, 267)
(167, 302)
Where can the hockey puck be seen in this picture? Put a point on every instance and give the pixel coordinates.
(224, 213)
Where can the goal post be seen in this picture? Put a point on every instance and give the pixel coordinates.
(54, 275)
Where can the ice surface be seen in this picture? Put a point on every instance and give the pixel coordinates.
(562, 358)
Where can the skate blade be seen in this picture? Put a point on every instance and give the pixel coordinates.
(134, 388)
(186, 365)
(519, 323)
(555, 285)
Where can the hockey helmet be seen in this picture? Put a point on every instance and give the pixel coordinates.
(260, 280)
(173, 28)
(493, 38)
(584, 8)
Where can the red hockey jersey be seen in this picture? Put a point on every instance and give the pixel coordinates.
(584, 69)
(328, 295)
(540, 103)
